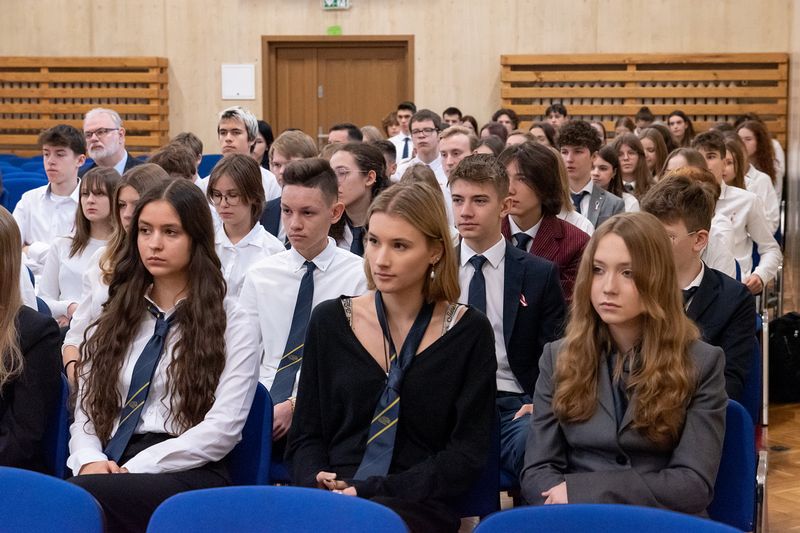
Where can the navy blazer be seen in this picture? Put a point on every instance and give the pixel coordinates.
(533, 312)
(129, 164)
(725, 312)
(271, 216)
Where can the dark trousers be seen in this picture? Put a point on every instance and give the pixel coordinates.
(513, 433)
(128, 500)
(422, 517)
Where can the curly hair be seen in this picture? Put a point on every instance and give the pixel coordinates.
(579, 133)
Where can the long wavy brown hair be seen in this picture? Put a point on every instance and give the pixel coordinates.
(663, 376)
(198, 356)
(11, 360)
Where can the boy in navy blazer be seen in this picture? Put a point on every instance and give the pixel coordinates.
(722, 307)
(520, 293)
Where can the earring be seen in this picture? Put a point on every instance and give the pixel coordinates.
(433, 271)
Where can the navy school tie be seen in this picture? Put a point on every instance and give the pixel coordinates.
(140, 385)
(688, 294)
(357, 246)
(283, 383)
(477, 285)
(405, 148)
(383, 428)
(576, 199)
(522, 239)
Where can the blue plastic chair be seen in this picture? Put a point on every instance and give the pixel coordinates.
(249, 461)
(579, 518)
(42, 307)
(56, 437)
(272, 509)
(33, 166)
(735, 488)
(751, 391)
(207, 164)
(17, 185)
(34, 502)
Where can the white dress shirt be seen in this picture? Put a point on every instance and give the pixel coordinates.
(210, 440)
(120, 166)
(759, 184)
(94, 293)
(61, 282)
(270, 292)
(27, 293)
(718, 253)
(237, 258)
(42, 216)
(494, 273)
(268, 181)
(746, 213)
(577, 220)
(780, 167)
(631, 203)
(399, 142)
(441, 178)
(532, 231)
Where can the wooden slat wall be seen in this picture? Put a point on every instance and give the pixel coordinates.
(707, 87)
(39, 92)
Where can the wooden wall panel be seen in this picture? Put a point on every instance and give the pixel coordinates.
(457, 43)
(36, 93)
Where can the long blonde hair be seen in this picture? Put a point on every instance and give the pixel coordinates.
(422, 207)
(662, 377)
(10, 263)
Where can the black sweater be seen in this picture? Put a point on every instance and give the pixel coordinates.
(447, 407)
(28, 401)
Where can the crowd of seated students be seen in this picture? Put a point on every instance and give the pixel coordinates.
(394, 295)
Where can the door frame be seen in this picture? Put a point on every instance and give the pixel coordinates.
(271, 43)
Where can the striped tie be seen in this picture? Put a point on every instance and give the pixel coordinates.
(283, 384)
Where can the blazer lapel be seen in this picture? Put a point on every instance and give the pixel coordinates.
(514, 273)
(545, 244)
(605, 396)
(705, 296)
(595, 204)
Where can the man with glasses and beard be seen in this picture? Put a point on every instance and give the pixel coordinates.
(105, 141)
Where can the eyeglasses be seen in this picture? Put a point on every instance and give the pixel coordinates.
(231, 199)
(342, 173)
(100, 132)
(423, 131)
(673, 238)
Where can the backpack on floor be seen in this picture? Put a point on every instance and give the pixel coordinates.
(784, 359)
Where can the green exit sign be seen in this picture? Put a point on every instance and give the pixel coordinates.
(330, 5)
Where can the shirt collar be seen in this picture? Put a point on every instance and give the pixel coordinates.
(530, 231)
(494, 255)
(723, 187)
(252, 237)
(120, 166)
(696, 281)
(322, 261)
(589, 187)
(74, 195)
(168, 312)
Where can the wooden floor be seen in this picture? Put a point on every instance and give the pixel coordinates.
(783, 446)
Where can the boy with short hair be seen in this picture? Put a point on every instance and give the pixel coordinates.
(47, 212)
(177, 160)
(556, 114)
(280, 291)
(746, 212)
(402, 141)
(578, 143)
(722, 307)
(456, 143)
(518, 292)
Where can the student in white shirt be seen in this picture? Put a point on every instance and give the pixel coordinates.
(46, 212)
(271, 289)
(361, 173)
(163, 427)
(237, 130)
(746, 212)
(69, 257)
(739, 172)
(402, 141)
(240, 241)
(94, 289)
(425, 126)
(760, 150)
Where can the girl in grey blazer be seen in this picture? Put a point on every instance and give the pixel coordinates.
(630, 406)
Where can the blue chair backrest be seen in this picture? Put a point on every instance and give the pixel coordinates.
(738, 270)
(19, 184)
(751, 391)
(42, 307)
(734, 491)
(56, 436)
(207, 164)
(484, 497)
(262, 509)
(579, 518)
(34, 502)
(249, 461)
(33, 166)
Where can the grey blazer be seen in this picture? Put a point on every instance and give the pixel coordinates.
(603, 205)
(603, 465)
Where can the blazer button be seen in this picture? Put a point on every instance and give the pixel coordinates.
(622, 460)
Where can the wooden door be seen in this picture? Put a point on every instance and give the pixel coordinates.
(312, 83)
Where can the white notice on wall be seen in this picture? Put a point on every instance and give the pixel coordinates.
(239, 82)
